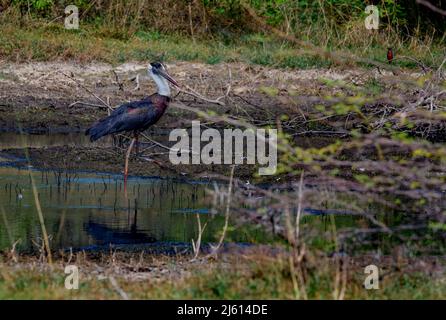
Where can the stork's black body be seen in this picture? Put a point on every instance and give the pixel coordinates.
(134, 116)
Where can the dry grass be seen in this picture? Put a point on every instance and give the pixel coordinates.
(121, 36)
(253, 275)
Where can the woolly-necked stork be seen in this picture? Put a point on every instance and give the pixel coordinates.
(139, 115)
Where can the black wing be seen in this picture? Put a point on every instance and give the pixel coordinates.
(131, 116)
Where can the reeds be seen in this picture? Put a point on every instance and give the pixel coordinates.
(45, 237)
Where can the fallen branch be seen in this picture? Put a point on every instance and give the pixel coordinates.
(195, 94)
(166, 147)
(86, 104)
(88, 90)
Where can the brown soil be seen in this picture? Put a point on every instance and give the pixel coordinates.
(39, 97)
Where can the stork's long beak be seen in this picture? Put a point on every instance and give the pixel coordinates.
(168, 77)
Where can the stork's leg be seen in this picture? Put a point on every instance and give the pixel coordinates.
(136, 135)
(126, 169)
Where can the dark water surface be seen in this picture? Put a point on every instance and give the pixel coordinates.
(12, 140)
(90, 209)
(85, 209)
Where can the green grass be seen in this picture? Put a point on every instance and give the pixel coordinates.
(40, 41)
(252, 279)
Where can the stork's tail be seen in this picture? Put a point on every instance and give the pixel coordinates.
(99, 129)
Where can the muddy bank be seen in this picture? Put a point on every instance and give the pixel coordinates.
(75, 152)
(74, 158)
(57, 97)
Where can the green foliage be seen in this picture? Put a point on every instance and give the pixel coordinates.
(249, 278)
(225, 30)
(227, 15)
(38, 5)
(148, 35)
(374, 86)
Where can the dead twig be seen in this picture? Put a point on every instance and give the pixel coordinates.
(432, 7)
(86, 104)
(425, 68)
(195, 94)
(136, 79)
(118, 289)
(88, 90)
(159, 144)
(214, 249)
(118, 82)
(197, 244)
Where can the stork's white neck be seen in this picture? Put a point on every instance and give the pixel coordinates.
(163, 85)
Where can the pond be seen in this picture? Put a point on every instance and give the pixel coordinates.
(84, 209)
(89, 209)
(10, 140)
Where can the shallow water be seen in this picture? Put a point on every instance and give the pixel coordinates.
(90, 209)
(84, 209)
(12, 140)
